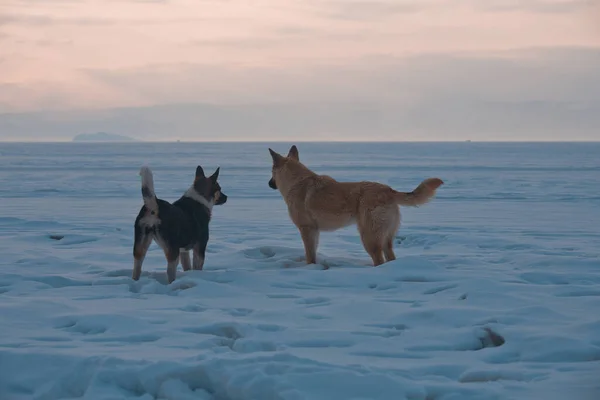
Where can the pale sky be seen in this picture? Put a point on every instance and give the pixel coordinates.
(425, 66)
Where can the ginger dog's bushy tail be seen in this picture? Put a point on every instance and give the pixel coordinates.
(421, 195)
(148, 189)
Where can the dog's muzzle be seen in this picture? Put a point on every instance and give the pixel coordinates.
(272, 184)
(222, 199)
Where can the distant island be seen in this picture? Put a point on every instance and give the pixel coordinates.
(102, 137)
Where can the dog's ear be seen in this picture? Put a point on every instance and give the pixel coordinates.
(277, 158)
(293, 153)
(199, 172)
(215, 175)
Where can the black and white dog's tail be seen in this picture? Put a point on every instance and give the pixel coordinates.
(148, 190)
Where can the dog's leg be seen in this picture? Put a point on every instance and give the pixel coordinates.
(172, 262)
(199, 252)
(374, 249)
(185, 260)
(371, 239)
(310, 238)
(142, 242)
(392, 216)
(388, 249)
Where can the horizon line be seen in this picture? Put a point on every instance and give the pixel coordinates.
(136, 141)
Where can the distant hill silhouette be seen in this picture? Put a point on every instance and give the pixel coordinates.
(102, 137)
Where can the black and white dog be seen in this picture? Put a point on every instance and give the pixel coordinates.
(179, 227)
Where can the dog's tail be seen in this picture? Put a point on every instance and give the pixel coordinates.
(148, 189)
(421, 195)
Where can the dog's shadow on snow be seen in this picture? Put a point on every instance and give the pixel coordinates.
(154, 281)
(159, 276)
(277, 257)
(157, 283)
(258, 258)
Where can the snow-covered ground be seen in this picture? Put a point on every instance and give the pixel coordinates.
(495, 293)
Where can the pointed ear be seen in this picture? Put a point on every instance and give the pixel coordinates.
(215, 175)
(276, 156)
(199, 172)
(293, 153)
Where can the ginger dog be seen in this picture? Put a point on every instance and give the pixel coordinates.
(320, 203)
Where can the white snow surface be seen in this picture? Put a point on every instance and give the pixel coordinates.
(509, 248)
